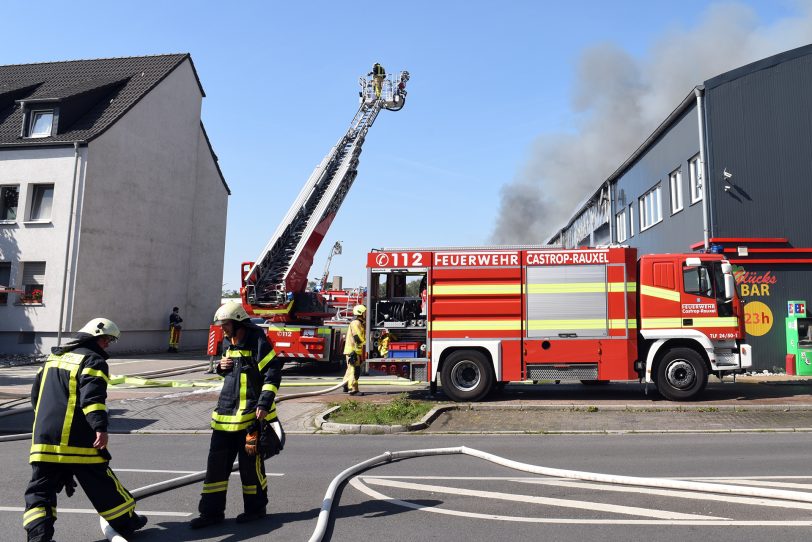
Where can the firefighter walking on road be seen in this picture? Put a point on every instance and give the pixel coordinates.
(252, 375)
(69, 438)
(354, 348)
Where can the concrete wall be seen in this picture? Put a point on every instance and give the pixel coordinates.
(153, 214)
(26, 241)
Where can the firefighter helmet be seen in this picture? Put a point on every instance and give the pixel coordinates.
(359, 310)
(99, 327)
(230, 311)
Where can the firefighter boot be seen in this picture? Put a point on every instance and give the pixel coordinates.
(205, 521)
(245, 517)
(133, 524)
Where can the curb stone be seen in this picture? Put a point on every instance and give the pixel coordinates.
(322, 423)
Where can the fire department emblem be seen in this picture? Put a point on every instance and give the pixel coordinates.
(382, 260)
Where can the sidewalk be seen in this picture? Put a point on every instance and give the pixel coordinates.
(752, 403)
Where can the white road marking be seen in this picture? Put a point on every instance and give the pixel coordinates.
(92, 511)
(673, 493)
(765, 483)
(159, 471)
(359, 485)
(548, 501)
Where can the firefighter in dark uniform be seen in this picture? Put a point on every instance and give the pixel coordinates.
(69, 437)
(252, 375)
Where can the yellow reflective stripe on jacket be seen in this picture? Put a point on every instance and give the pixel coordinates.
(96, 373)
(228, 422)
(660, 293)
(239, 354)
(34, 514)
(264, 361)
(66, 450)
(249, 490)
(476, 289)
(243, 392)
(71, 406)
(94, 407)
(270, 387)
(72, 459)
(461, 325)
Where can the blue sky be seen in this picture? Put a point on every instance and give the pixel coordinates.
(488, 80)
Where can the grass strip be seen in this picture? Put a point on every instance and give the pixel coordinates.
(400, 411)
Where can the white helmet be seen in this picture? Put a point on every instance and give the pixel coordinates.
(98, 327)
(230, 311)
(359, 310)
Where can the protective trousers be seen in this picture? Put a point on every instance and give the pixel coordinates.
(225, 447)
(353, 371)
(174, 337)
(108, 496)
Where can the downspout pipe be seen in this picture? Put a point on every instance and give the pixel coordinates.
(700, 116)
(76, 157)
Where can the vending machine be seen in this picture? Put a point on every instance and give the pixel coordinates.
(799, 337)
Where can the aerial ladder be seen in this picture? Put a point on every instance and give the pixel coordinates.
(335, 251)
(274, 286)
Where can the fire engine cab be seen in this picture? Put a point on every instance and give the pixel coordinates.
(475, 318)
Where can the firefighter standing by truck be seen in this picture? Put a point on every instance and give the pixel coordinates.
(353, 349)
(174, 330)
(252, 374)
(69, 437)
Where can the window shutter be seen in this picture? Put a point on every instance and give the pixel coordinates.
(34, 273)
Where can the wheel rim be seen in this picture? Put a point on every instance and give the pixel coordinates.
(465, 375)
(680, 374)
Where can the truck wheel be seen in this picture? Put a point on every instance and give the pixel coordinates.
(466, 376)
(681, 374)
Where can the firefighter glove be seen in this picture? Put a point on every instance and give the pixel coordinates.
(67, 483)
(252, 440)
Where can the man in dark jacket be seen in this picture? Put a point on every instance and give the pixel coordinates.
(70, 435)
(174, 330)
(252, 374)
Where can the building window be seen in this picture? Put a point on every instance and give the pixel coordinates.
(631, 220)
(33, 283)
(42, 198)
(41, 123)
(620, 222)
(696, 179)
(5, 281)
(676, 191)
(651, 210)
(9, 195)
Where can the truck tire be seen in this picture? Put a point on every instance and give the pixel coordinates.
(466, 376)
(681, 374)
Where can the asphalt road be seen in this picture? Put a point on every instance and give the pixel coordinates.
(458, 497)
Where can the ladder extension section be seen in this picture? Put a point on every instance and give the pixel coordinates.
(287, 258)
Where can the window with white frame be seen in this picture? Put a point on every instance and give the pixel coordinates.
(42, 199)
(41, 123)
(5, 281)
(676, 190)
(9, 196)
(631, 220)
(651, 210)
(695, 173)
(620, 226)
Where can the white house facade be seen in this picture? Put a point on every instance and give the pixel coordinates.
(112, 202)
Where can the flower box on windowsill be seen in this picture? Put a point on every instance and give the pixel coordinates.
(30, 303)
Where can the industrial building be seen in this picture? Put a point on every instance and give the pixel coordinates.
(728, 171)
(112, 202)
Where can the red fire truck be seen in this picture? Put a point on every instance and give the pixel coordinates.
(306, 325)
(475, 318)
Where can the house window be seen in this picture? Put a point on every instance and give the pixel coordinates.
(33, 283)
(631, 220)
(676, 191)
(651, 211)
(41, 123)
(696, 179)
(9, 195)
(5, 280)
(42, 198)
(620, 221)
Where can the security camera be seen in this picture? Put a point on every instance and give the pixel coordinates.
(727, 174)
